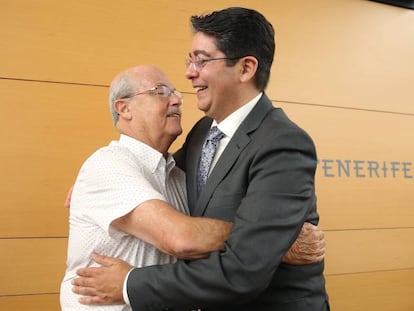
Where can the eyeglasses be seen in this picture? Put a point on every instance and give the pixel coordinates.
(161, 90)
(200, 63)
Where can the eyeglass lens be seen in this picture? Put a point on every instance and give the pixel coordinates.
(165, 91)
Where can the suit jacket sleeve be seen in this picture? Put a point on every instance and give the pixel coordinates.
(271, 189)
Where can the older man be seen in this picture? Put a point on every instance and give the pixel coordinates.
(117, 187)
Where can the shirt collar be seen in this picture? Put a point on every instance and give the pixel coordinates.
(230, 124)
(154, 159)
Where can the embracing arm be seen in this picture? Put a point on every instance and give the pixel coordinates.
(185, 237)
(173, 232)
(103, 285)
(188, 241)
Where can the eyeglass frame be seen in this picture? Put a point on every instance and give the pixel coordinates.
(154, 91)
(199, 64)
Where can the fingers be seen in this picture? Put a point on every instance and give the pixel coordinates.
(96, 300)
(90, 296)
(82, 286)
(309, 246)
(82, 281)
(307, 226)
(311, 234)
(94, 271)
(313, 247)
(103, 284)
(319, 250)
(89, 300)
(322, 243)
(68, 197)
(103, 260)
(67, 203)
(88, 272)
(81, 289)
(318, 234)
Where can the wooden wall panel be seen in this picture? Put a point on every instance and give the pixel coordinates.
(87, 41)
(45, 138)
(348, 252)
(348, 53)
(385, 290)
(32, 266)
(30, 302)
(90, 41)
(362, 251)
(343, 71)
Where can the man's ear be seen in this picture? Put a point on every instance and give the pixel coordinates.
(249, 67)
(122, 107)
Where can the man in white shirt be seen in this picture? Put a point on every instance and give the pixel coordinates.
(111, 211)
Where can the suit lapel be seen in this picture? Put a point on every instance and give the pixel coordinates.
(232, 152)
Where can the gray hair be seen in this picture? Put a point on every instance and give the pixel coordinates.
(121, 87)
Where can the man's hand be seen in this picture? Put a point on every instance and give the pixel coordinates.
(68, 197)
(308, 248)
(102, 285)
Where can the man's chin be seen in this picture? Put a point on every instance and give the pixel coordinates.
(203, 106)
(177, 133)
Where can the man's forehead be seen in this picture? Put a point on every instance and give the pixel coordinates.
(151, 79)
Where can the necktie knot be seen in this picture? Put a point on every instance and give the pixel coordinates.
(214, 135)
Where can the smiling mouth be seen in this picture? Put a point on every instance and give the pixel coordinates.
(200, 88)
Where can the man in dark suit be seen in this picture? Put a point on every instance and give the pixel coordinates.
(262, 180)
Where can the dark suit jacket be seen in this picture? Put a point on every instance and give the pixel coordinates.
(264, 183)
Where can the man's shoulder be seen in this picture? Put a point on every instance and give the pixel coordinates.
(280, 119)
(109, 152)
(108, 157)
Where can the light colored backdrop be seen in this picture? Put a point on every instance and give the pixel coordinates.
(343, 71)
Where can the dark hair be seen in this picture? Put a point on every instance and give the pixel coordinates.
(241, 32)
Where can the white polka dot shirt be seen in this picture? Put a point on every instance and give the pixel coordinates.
(111, 183)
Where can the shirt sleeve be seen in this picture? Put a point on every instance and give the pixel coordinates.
(125, 289)
(110, 185)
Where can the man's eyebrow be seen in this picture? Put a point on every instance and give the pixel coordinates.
(198, 53)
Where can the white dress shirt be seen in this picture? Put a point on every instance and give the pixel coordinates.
(111, 183)
(230, 125)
